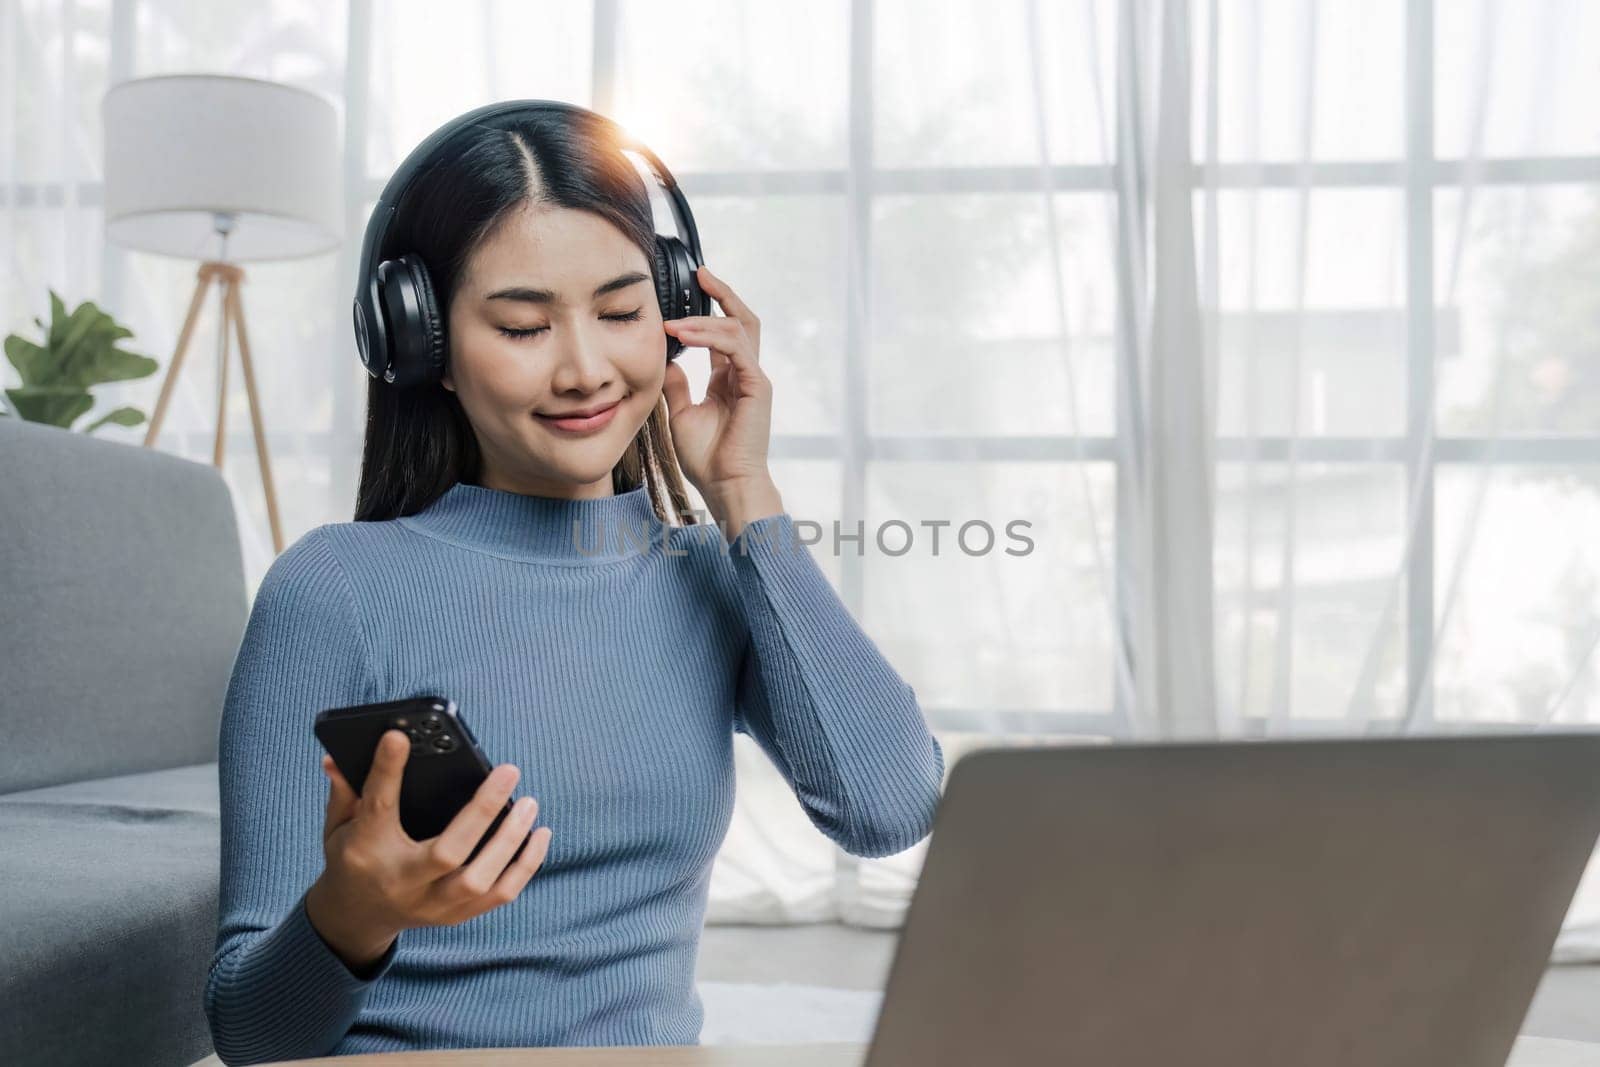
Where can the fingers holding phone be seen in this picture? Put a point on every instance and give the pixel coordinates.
(342, 799)
(502, 867)
(377, 803)
(380, 793)
(378, 878)
(442, 880)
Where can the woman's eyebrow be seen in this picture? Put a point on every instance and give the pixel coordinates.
(546, 296)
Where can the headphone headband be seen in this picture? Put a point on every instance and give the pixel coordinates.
(371, 329)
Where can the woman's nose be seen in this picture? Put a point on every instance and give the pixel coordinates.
(582, 363)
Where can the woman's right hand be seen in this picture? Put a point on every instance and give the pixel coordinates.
(377, 881)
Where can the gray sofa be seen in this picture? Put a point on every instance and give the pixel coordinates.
(122, 603)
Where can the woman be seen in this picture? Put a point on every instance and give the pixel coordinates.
(494, 561)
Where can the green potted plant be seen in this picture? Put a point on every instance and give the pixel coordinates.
(79, 352)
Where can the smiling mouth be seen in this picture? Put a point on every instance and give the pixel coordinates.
(582, 423)
(584, 414)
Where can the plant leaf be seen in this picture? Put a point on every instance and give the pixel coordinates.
(85, 351)
(31, 361)
(54, 405)
(124, 416)
(79, 352)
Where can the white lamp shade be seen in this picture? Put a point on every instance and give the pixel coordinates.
(181, 147)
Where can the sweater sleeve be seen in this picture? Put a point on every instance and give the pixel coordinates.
(276, 990)
(815, 693)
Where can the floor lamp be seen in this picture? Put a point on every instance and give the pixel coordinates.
(225, 170)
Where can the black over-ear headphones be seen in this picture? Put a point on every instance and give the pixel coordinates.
(399, 331)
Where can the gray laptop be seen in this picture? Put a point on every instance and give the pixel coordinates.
(1311, 903)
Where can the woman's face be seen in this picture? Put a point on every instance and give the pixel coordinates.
(555, 314)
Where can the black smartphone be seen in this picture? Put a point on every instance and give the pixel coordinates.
(442, 773)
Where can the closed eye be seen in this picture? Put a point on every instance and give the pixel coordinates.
(630, 316)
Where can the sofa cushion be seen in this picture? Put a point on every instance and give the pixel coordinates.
(124, 604)
(192, 788)
(110, 903)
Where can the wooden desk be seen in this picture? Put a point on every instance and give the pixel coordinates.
(819, 1055)
(1529, 1052)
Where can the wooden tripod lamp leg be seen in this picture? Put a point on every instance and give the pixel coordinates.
(237, 305)
(224, 314)
(202, 283)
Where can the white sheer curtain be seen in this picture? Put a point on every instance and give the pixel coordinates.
(1397, 221)
(1274, 320)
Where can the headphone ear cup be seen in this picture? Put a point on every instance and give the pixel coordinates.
(677, 285)
(666, 288)
(416, 330)
(433, 331)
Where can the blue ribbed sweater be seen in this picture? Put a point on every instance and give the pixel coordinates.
(611, 658)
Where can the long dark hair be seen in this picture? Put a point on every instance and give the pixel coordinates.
(419, 441)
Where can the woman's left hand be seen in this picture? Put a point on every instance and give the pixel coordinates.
(721, 442)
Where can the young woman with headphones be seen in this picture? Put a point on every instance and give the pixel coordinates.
(518, 315)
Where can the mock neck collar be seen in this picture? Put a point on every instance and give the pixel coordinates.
(542, 528)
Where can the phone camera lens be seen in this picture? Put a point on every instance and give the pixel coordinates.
(444, 742)
(432, 724)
